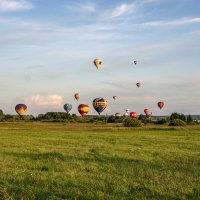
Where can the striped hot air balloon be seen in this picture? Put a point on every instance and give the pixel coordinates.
(100, 104)
(21, 110)
(83, 109)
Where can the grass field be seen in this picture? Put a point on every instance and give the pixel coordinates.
(85, 161)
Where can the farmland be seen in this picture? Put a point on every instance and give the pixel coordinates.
(98, 161)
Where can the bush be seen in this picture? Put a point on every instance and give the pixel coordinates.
(177, 122)
(132, 122)
(111, 119)
(161, 121)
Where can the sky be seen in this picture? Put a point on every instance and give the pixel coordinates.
(47, 48)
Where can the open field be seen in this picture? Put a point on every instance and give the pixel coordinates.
(85, 161)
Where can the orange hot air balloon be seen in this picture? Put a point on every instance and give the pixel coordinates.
(133, 114)
(138, 84)
(83, 109)
(21, 110)
(77, 96)
(161, 104)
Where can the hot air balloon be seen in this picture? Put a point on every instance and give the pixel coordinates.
(126, 114)
(83, 109)
(147, 112)
(135, 62)
(97, 63)
(99, 104)
(118, 115)
(161, 104)
(114, 97)
(138, 84)
(127, 110)
(77, 96)
(21, 110)
(67, 107)
(133, 114)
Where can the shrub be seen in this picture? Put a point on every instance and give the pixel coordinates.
(111, 119)
(177, 122)
(132, 122)
(161, 121)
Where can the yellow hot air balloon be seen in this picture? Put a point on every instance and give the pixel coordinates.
(77, 96)
(97, 63)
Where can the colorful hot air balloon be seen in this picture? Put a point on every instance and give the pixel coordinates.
(138, 84)
(77, 96)
(97, 63)
(161, 104)
(118, 115)
(147, 112)
(99, 104)
(114, 97)
(21, 110)
(133, 114)
(67, 107)
(83, 109)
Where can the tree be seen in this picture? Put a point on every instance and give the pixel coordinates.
(177, 116)
(189, 118)
(1, 112)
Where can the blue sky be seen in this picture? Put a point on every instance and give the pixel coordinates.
(47, 48)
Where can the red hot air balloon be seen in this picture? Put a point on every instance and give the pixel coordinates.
(133, 114)
(161, 104)
(83, 109)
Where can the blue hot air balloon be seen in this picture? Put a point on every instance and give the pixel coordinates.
(67, 107)
(99, 104)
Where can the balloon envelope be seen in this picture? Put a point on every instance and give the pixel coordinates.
(97, 63)
(21, 109)
(118, 115)
(77, 96)
(67, 107)
(135, 62)
(114, 97)
(83, 109)
(99, 104)
(161, 104)
(138, 84)
(133, 114)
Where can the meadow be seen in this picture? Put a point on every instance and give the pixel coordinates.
(98, 161)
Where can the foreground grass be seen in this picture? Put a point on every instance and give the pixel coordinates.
(80, 161)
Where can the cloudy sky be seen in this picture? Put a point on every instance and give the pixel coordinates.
(47, 48)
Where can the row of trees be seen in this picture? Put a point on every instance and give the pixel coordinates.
(66, 117)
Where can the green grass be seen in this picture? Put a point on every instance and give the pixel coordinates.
(85, 161)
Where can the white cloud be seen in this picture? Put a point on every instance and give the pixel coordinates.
(119, 11)
(178, 22)
(13, 5)
(87, 7)
(53, 100)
